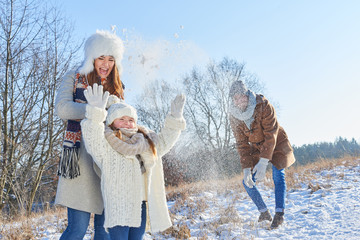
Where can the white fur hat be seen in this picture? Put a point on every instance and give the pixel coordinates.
(118, 110)
(102, 43)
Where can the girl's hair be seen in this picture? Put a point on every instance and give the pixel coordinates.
(113, 84)
(151, 143)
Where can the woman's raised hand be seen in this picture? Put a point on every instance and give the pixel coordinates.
(95, 96)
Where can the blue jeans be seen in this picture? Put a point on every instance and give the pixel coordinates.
(130, 233)
(78, 222)
(280, 191)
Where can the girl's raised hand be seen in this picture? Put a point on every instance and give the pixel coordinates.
(177, 106)
(95, 96)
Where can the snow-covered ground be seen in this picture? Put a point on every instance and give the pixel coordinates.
(330, 209)
(332, 212)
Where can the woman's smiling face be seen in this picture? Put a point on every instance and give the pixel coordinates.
(104, 65)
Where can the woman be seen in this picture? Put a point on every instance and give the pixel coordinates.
(260, 140)
(79, 185)
(132, 179)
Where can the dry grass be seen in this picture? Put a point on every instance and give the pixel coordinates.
(22, 227)
(178, 231)
(295, 177)
(33, 227)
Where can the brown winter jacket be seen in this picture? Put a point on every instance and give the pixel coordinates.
(265, 139)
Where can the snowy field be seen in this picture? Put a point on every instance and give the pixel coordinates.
(327, 207)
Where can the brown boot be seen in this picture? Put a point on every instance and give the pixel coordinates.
(278, 220)
(265, 216)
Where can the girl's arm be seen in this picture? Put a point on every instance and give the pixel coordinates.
(174, 123)
(169, 134)
(92, 129)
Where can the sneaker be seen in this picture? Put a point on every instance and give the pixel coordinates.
(265, 216)
(278, 220)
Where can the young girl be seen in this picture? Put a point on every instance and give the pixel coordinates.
(132, 180)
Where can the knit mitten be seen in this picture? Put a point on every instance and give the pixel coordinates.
(177, 106)
(95, 97)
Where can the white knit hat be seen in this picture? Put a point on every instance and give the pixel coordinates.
(118, 110)
(102, 43)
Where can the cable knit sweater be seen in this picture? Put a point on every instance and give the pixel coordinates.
(121, 175)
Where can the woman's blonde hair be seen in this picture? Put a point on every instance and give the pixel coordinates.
(113, 84)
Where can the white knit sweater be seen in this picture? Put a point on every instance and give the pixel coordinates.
(121, 175)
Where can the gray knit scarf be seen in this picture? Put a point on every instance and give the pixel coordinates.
(247, 115)
(132, 143)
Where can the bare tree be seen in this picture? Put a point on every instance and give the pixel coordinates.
(154, 104)
(38, 52)
(205, 149)
(18, 32)
(208, 101)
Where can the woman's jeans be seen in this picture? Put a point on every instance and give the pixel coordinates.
(280, 191)
(78, 222)
(130, 233)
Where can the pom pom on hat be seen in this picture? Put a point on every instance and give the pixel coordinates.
(118, 110)
(102, 43)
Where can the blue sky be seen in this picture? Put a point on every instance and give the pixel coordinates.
(307, 53)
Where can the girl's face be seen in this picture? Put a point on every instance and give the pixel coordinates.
(241, 101)
(124, 122)
(104, 65)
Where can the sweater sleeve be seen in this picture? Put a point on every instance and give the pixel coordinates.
(92, 128)
(270, 127)
(65, 107)
(169, 134)
(242, 144)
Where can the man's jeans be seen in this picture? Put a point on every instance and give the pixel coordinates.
(130, 233)
(78, 222)
(280, 191)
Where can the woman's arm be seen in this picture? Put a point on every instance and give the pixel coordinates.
(65, 107)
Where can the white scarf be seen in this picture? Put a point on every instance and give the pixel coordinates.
(247, 115)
